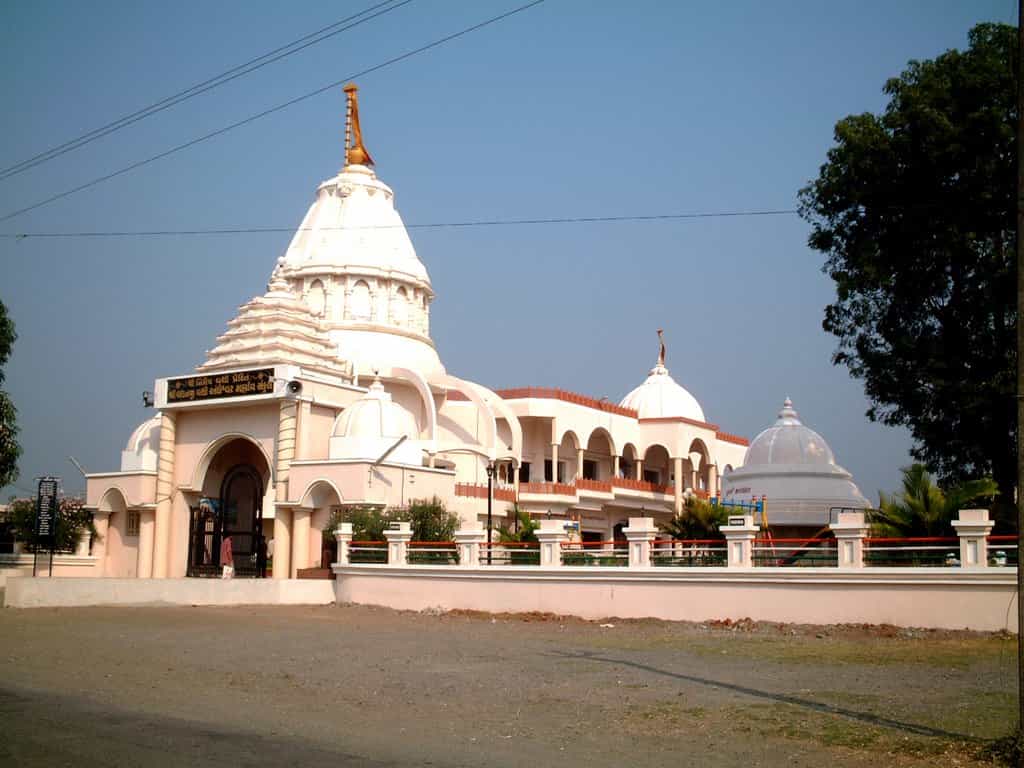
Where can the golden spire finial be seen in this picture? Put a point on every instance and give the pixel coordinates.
(661, 351)
(355, 152)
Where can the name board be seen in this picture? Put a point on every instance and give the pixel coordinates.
(46, 508)
(219, 386)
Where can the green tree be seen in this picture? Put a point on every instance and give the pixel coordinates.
(72, 520)
(10, 451)
(924, 509)
(699, 519)
(914, 211)
(431, 521)
(525, 530)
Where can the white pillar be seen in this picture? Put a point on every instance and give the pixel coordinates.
(398, 538)
(712, 488)
(554, 463)
(468, 540)
(850, 530)
(551, 534)
(677, 488)
(301, 519)
(343, 535)
(973, 527)
(739, 541)
(640, 533)
(615, 467)
(639, 469)
(164, 491)
(282, 542)
(579, 463)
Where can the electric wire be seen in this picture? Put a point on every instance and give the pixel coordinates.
(207, 85)
(270, 111)
(425, 225)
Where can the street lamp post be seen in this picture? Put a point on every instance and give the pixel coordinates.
(490, 497)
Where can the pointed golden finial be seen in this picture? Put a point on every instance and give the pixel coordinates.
(355, 152)
(661, 351)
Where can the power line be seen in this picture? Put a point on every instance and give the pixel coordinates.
(270, 111)
(432, 225)
(207, 85)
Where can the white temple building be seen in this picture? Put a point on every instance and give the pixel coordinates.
(327, 392)
(794, 468)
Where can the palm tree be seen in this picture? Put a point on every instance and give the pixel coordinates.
(924, 509)
(698, 520)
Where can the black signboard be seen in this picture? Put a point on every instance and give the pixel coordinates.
(218, 386)
(47, 511)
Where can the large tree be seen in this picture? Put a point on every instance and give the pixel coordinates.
(915, 211)
(9, 448)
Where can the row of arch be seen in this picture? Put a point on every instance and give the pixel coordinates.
(404, 309)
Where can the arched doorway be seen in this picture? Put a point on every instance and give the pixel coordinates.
(230, 514)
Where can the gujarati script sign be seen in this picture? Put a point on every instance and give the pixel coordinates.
(188, 389)
(46, 508)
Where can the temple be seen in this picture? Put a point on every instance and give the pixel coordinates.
(327, 392)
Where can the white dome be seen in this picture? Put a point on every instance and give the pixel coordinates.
(376, 415)
(353, 226)
(660, 396)
(788, 441)
(142, 449)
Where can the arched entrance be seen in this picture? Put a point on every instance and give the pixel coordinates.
(230, 515)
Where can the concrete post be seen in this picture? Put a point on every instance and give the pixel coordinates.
(398, 538)
(301, 519)
(282, 542)
(343, 535)
(99, 547)
(640, 533)
(164, 491)
(468, 540)
(82, 545)
(850, 530)
(973, 528)
(551, 534)
(677, 488)
(144, 567)
(739, 541)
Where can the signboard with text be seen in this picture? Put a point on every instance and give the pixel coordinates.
(220, 386)
(47, 509)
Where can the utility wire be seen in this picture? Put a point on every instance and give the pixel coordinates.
(207, 85)
(433, 225)
(270, 111)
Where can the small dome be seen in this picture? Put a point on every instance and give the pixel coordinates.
(660, 396)
(142, 449)
(375, 415)
(788, 441)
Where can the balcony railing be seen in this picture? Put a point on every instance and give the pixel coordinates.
(604, 486)
(548, 489)
(640, 485)
(479, 491)
(550, 393)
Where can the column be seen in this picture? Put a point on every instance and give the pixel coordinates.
(639, 469)
(615, 466)
(693, 479)
(343, 535)
(467, 541)
(579, 463)
(300, 539)
(144, 569)
(554, 463)
(739, 542)
(164, 490)
(712, 480)
(99, 546)
(282, 542)
(551, 534)
(398, 538)
(285, 449)
(850, 530)
(677, 498)
(639, 534)
(973, 527)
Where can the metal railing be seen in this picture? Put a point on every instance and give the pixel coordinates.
(913, 551)
(795, 552)
(1003, 551)
(368, 552)
(510, 553)
(432, 553)
(688, 552)
(613, 554)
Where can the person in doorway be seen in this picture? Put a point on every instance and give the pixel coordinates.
(227, 559)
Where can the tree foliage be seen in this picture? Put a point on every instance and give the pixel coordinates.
(524, 529)
(924, 509)
(699, 519)
(10, 450)
(914, 211)
(429, 519)
(72, 520)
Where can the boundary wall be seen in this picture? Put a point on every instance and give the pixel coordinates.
(27, 592)
(908, 597)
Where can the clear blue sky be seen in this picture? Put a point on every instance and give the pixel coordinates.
(573, 108)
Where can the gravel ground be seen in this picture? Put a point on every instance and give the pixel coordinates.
(359, 686)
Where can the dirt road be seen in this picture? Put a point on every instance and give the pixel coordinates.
(355, 686)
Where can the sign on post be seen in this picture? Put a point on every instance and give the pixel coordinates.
(47, 512)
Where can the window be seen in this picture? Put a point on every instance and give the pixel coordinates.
(317, 298)
(524, 472)
(652, 476)
(400, 308)
(589, 469)
(132, 527)
(547, 471)
(360, 301)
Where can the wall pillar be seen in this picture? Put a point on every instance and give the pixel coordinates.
(398, 543)
(282, 542)
(551, 534)
(639, 535)
(164, 490)
(343, 535)
(677, 498)
(579, 463)
(301, 519)
(973, 527)
(82, 545)
(639, 469)
(712, 480)
(286, 425)
(739, 542)
(850, 530)
(467, 541)
(615, 466)
(99, 545)
(554, 463)
(144, 568)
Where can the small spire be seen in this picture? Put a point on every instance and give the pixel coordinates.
(355, 152)
(661, 351)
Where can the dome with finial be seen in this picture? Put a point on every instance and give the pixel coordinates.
(660, 396)
(788, 441)
(374, 424)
